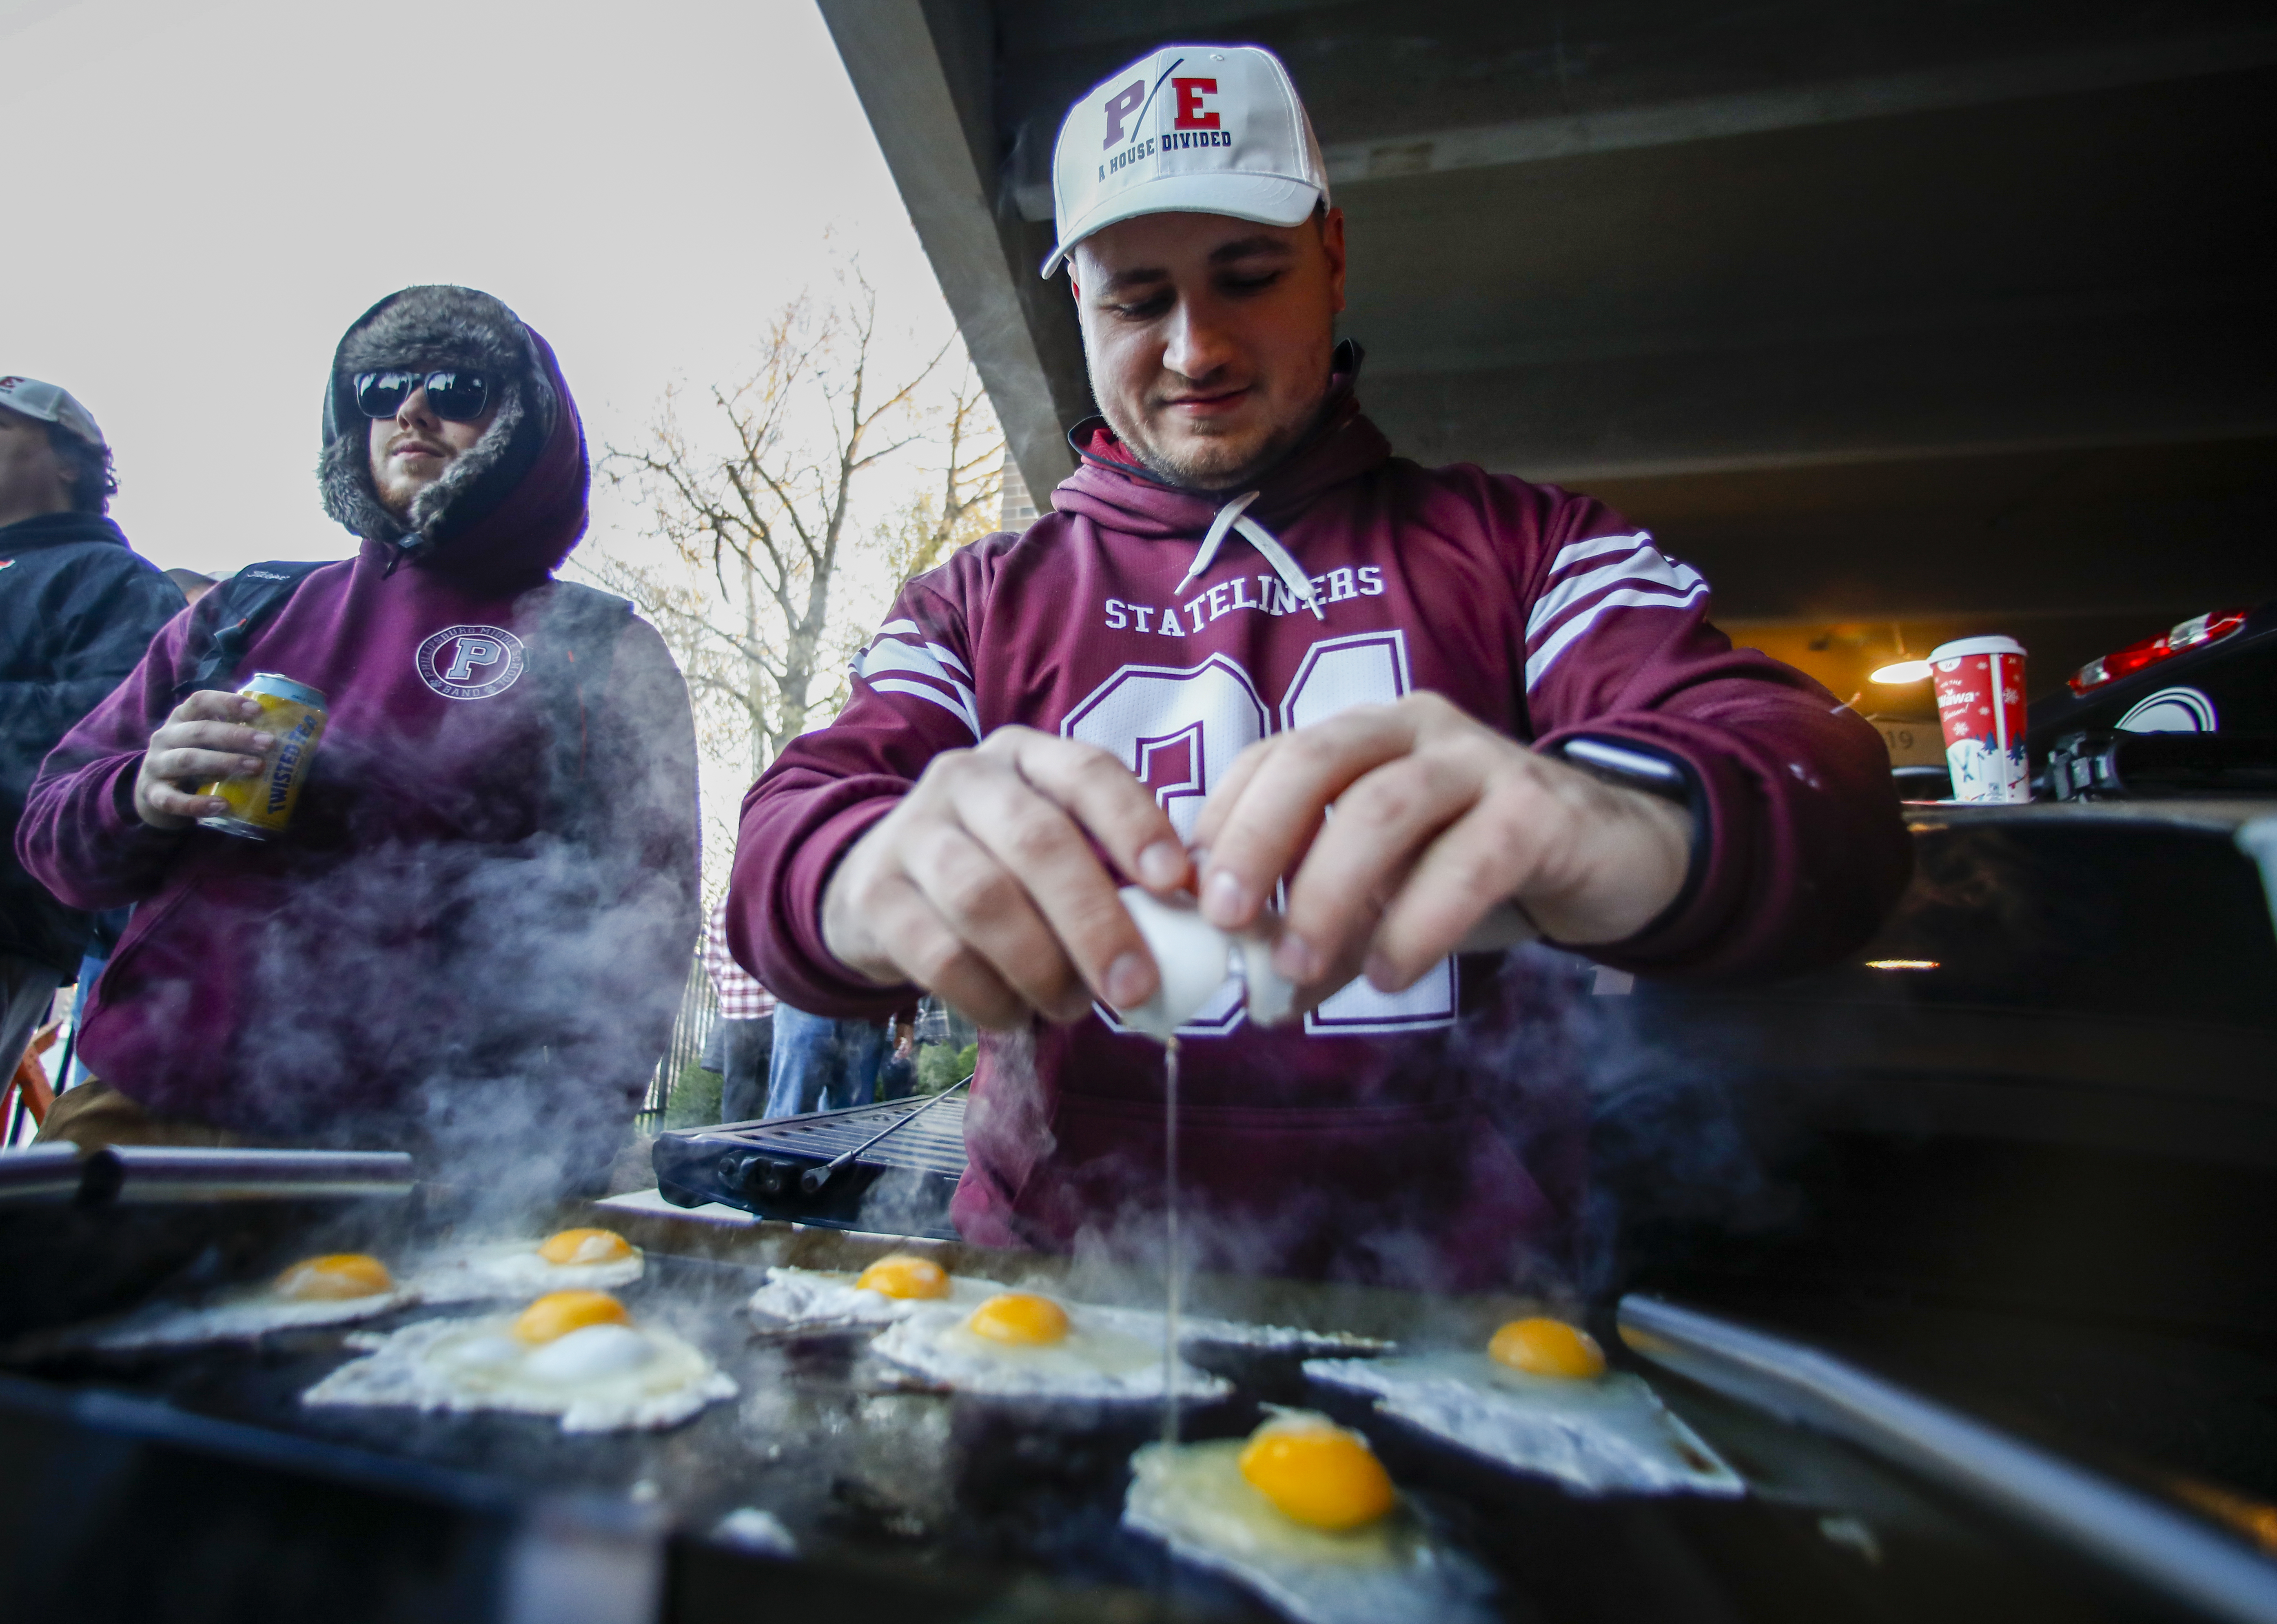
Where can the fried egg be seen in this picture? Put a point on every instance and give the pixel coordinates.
(1302, 1512)
(336, 1289)
(595, 1259)
(1538, 1398)
(1019, 1344)
(576, 1354)
(900, 1284)
(893, 1288)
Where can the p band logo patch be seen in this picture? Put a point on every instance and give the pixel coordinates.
(470, 662)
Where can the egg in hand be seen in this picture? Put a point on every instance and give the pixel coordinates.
(335, 1289)
(1302, 1511)
(595, 1259)
(577, 1354)
(1023, 1343)
(1539, 1399)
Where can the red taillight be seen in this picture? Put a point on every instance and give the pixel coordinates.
(2179, 639)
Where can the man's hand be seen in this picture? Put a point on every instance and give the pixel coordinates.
(203, 740)
(1438, 820)
(983, 885)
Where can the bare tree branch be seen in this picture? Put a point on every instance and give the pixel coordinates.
(761, 513)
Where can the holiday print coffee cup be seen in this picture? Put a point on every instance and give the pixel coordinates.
(1980, 701)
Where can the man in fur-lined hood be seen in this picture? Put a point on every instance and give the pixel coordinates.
(421, 331)
(477, 927)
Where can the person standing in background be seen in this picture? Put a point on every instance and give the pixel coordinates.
(745, 1033)
(78, 609)
(475, 931)
(822, 1064)
(111, 921)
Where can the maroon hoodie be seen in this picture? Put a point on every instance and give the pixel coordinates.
(1356, 1143)
(427, 947)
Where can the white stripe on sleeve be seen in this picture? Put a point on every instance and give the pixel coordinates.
(954, 705)
(1595, 546)
(947, 657)
(929, 661)
(1538, 664)
(887, 655)
(1644, 564)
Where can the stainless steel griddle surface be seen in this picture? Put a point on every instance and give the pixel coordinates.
(872, 1477)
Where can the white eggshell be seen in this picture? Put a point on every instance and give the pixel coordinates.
(1270, 994)
(1190, 953)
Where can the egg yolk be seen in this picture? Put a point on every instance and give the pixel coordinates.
(343, 1274)
(898, 1274)
(585, 1246)
(1317, 1473)
(557, 1314)
(1021, 1318)
(1548, 1348)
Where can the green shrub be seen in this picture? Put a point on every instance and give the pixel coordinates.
(694, 1098)
(938, 1066)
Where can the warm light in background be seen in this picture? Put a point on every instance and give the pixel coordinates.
(1901, 964)
(1902, 671)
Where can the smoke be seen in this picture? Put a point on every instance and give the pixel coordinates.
(1647, 1146)
(436, 966)
(1600, 1148)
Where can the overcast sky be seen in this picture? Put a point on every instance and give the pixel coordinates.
(201, 194)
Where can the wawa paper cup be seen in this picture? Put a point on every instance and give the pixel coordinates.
(1980, 702)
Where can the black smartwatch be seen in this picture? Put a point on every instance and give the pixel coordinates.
(1641, 767)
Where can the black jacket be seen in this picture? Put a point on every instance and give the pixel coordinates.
(77, 608)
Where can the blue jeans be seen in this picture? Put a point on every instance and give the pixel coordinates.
(746, 1051)
(89, 967)
(821, 1064)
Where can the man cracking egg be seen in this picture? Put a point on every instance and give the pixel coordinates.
(1242, 610)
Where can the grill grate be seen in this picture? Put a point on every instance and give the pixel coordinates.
(934, 1143)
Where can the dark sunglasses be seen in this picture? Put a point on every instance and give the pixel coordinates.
(455, 397)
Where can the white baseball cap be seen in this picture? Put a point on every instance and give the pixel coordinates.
(1212, 129)
(49, 403)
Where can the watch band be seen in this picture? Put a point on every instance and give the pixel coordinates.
(1637, 768)
(1642, 768)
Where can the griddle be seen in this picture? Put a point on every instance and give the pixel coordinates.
(2029, 1192)
(907, 1156)
(229, 1500)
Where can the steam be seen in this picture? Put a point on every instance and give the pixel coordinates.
(494, 1000)
(1665, 1151)
(1014, 1111)
(1606, 1144)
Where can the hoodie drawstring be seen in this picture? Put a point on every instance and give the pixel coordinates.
(1230, 518)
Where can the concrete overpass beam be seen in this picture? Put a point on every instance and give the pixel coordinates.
(923, 72)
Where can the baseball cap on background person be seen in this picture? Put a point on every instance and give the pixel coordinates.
(1202, 129)
(78, 611)
(49, 403)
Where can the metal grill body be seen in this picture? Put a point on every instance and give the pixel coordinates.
(900, 1184)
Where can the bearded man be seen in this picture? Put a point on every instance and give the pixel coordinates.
(1243, 611)
(474, 933)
